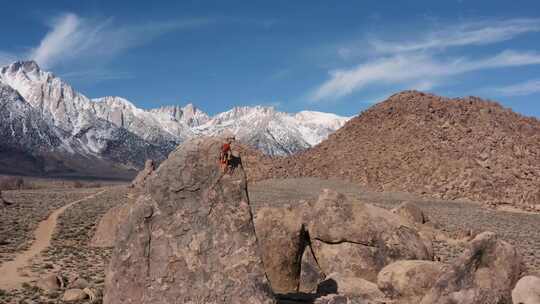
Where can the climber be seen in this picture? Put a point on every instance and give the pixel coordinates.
(226, 154)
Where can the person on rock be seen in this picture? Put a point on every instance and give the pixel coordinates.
(226, 154)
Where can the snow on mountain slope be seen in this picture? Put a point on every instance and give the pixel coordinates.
(54, 98)
(275, 133)
(21, 126)
(316, 126)
(114, 129)
(122, 113)
(189, 114)
(74, 118)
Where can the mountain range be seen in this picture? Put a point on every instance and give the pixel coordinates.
(48, 128)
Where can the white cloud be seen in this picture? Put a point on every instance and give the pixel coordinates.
(466, 34)
(97, 74)
(520, 89)
(62, 40)
(414, 70)
(423, 63)
(75, 39)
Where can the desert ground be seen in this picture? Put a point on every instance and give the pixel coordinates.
(62, 245)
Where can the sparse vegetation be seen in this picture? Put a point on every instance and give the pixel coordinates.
(11, 183)
(77, 184)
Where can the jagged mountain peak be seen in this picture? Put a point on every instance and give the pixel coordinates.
(21, 71)
(188, 114)
(25, 66)
(113, 130)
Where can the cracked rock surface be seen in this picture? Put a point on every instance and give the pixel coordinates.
(485, 273)
(190, 236)
(357, 239)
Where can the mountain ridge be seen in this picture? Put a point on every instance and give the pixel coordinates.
(113, 130)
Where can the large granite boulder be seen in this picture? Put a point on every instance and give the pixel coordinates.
(409, 280)
(145, 174)
(412, 212)
(355, 239)
(190, 237)
(282, 241)
(3, 202)
(344, 299)
(50, 283)
(310, 272)
(527, 291)
(109, 226)
(485, 273)
(351, 286)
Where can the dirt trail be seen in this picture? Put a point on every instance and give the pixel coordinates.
(11, 276)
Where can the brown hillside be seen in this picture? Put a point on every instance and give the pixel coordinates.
(422, 143)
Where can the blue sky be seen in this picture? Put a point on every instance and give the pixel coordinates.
(335, 56)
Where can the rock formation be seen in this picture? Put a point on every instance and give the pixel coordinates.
(527, 291)
(353, 286)
(109, 226)
(357, 240)
(310, 272)
(485, 273)
(190, 237)
(426, 144)
(409, 280)
(3, 202)
(411, 212)
(144, 174)
(74, 295)
(50, 283)
(353, 241)
(282, 243)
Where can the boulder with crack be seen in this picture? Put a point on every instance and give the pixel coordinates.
(485, 273)
(282, 241)
(355, 239)
(190, 237)
(408, 280)
(310, 272)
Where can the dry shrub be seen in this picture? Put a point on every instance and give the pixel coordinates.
(12, 183)
(77, 184)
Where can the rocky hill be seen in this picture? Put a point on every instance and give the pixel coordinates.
(421, 143)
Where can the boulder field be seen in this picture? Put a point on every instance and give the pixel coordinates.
(190, 237)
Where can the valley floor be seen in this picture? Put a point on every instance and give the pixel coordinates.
(69, 252)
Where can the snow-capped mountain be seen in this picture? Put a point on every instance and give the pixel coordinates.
(63, 122)
(275, 133)
(22, 125)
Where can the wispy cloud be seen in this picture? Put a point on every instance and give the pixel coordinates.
(97, 74)
(466, 34)
(425, 63)
(413, 70)
(520, 89)
(72, 38)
